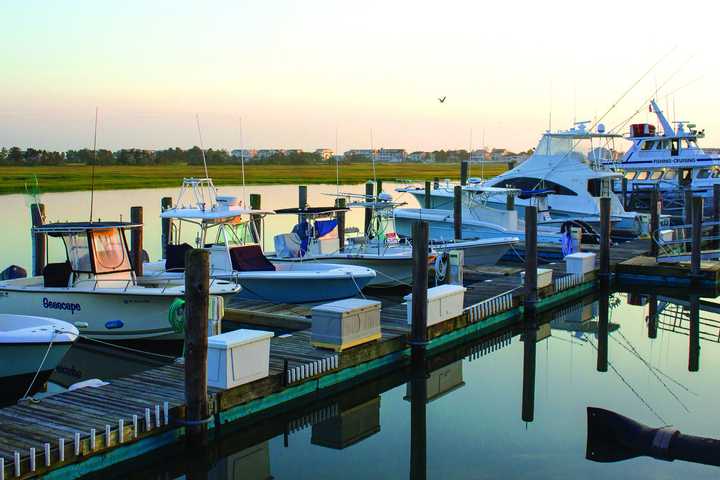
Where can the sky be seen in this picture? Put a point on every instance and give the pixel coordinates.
(315, 73)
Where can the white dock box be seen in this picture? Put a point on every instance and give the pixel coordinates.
(544, 277)
(238, 357)
(345, 323)
(443, 303)
(580, 263)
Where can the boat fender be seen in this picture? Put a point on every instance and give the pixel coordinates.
(176, 315)
(113, 324)
(91, 382)
(441, 265)
(81, 325)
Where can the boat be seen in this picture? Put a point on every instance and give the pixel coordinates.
(96, 289)
(571, 166)
(226, 229)
(670, 160)
(316, 238)
(30, 349)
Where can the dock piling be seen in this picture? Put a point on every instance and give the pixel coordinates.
(166, 225)
(531, 256)
(418, 335)
(136, 240)
(302, 200)
(428, 194)
(368, 211)
(463, 172)
(655, 210)
(197, 283)
(457, 212)
(716, 216)
(696, 247)
(255, 202)
(624, 184)
(340, 217)
(687, 212)
(605, 236)
(378, 187)
(39, 240)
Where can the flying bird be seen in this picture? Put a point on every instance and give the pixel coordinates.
(442, 99)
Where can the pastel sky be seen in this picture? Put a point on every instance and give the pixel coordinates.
(298, 71)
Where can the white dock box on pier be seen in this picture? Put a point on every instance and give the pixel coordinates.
(443, 303)
(544, 277)
(238, 357)
(345, 323)
(580, 263)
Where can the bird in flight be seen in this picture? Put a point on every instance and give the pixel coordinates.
(442, 99)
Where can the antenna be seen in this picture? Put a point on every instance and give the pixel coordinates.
(372, 156)
(202, 146)
(242, 163)
(92, 170)
(337, 163)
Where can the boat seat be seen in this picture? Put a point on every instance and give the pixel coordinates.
(56, 274)
(250, 258)
(288, 245)
(175, 257)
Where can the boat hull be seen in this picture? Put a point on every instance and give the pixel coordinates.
(390, 271)
(20, 363)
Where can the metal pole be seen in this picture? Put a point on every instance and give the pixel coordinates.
(197, 284)
(655, 210)
(605, 236)
(463, 172)
(428, 194)
(340, 216)
(136, 240)
(531, 256)
(418, 334)
(165, 203)
(697, 214)
(39, 240)
(255, 203)
(457, 212)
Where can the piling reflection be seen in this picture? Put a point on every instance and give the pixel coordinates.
(652, 317)
(418, 414)
(529, 338)
(694, 334)
(603, 321)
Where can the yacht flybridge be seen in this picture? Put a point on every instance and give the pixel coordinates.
(228, 230)
(568, 165)
(96, 289)
(670, 160)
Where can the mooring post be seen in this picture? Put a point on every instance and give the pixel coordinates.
(340, 217)
(165, 203)
(716, 216)
(697, 214)
(197, 284)
(623, 182)
(457, 212)
(368, 211)
(605, 236)
(255, 204)
(136, 240)
(652, 316)
(428, 194)
(687, 210)
(378, 187)
(436, 183)
(655, 210)
(510, 202)
(694, 334)
(529, 339)
(531, 256)
(39, 240)
(302, 201)
(603, 325)
(418, 334)
(463, 172)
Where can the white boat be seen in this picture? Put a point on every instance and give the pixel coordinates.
(316, 238)
(30, 349)
(569, 164)
(226, 229)
(96, 289)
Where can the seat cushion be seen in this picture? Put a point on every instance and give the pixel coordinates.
(175, 257)
(250, 258)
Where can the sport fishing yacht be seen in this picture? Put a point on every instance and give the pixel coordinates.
(95, 288)
(229, 231)
(569, 165)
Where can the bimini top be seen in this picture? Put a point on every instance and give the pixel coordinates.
(62, 228)
(311, 210)
(213, 214)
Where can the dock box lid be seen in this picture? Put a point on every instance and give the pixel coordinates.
(346, 306)
(580, 255)
(440, 292)
(238, 337)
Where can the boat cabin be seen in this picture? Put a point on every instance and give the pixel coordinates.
(95, 252)
(316, 232)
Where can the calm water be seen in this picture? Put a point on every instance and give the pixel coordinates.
(474, 417)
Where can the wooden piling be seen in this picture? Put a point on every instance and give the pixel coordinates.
(340, 216)
(687, 213)
(696, 247)
(716, 216)
(605, 236)
(624, 184)
(378, 187)
(166, 225)
(255, 204)
(531, 256)
(418, 334)
(529, 366)
(302, 200)
(655, 210)
(457, 212)
(136, 240)
(694, 334)
(428, 195)
(368, 211)
(197, 284)
(39, 240)
(463, 172)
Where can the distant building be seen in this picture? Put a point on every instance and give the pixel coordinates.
(325, 153)
(496, 154)
(479, 155)
(359, 152)
(292, 151)
(420, 157)
(246, 153)
(391, 155)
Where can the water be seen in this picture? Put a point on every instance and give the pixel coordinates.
(475, 426)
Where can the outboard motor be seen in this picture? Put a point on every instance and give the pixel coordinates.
(612, 437)
(12, 272)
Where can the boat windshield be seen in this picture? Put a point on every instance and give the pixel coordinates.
(78, 251)
(583, 149)
(109, 251)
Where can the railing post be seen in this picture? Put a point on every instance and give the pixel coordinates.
(605, 236)
(340, 216)
(368, 211)
(531, 256)
(136, 240)
(457, 212)
(716, 215)
(463, 172)
(428, 195)
(39, 240)
(654, 222)
(418, 334)
(696, 247)
(510, 202)
(165, 203)
(197, 284)
(255, 204)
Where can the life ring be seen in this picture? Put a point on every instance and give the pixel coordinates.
(176, 315)
(441, 266)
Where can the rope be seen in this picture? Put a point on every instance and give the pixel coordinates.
(358, 287)
(129, 349)
(47, 352)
